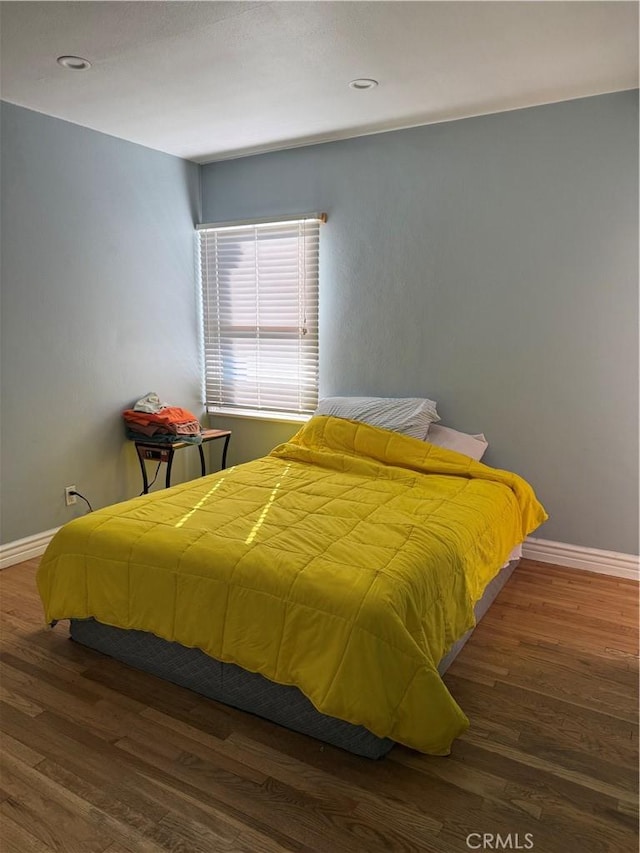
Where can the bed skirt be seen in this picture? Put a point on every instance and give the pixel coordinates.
(250, 691)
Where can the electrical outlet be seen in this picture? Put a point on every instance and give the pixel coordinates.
(70, 499)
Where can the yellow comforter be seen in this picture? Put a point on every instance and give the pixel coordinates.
(346, 562)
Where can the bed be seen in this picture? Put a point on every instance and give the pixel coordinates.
(322, 586)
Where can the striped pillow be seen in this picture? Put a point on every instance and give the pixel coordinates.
(408, 415)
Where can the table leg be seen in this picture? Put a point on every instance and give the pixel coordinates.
(202, 465)
(169, 464)
(143, 468)
(224, 451)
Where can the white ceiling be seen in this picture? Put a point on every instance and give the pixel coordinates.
(211, 80)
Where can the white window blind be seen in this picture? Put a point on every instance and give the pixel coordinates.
(260, 315)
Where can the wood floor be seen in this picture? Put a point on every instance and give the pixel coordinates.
(99, 757)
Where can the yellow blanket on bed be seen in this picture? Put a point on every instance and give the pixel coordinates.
(346, 562)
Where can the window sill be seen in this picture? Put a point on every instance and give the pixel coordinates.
(257, 415)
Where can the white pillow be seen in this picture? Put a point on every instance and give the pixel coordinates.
(409, 415)
(471, 445)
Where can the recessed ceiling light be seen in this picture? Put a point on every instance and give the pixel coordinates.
(73, 63)
(363, 83)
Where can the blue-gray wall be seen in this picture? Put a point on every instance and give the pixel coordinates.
(99, 306)
(491, 264)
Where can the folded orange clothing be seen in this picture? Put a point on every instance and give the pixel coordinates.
(165, 417)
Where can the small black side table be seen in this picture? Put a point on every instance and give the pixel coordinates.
(153, 450)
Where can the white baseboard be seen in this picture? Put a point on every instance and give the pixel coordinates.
(544, 550)
(577, 557)
(25, 549)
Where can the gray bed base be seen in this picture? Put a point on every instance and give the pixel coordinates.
(249, 691)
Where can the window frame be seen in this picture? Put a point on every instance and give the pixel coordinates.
(219, 333)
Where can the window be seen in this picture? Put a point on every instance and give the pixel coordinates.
(260, 316)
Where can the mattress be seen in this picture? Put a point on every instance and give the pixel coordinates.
(228, 683)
